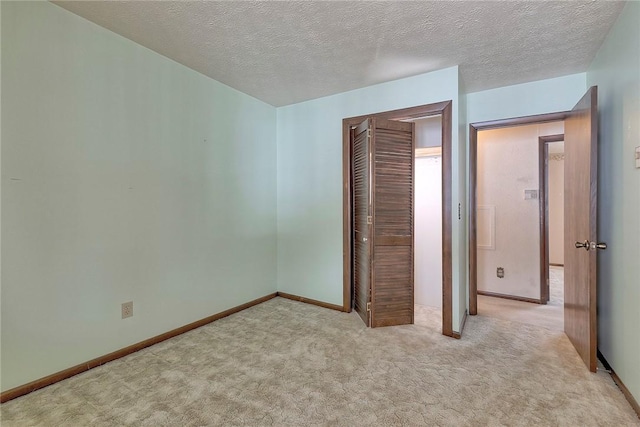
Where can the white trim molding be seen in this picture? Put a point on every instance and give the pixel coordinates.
(486, 227)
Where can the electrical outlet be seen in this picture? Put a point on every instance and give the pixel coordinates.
(500, 272)
(127, 309)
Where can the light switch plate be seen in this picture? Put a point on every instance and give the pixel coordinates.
(531, 194)
(637, 157)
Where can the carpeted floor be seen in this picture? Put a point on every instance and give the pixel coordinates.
(550, 315)
(284, 363)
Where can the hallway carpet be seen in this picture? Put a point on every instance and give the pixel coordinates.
(285, 363)
(550, 315)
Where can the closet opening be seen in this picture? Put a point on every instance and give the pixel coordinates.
(402, 150)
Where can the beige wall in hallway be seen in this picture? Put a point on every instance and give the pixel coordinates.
(507, 166)
(556, 203)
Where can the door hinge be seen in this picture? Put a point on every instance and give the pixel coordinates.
(368, 306)
(369, 220)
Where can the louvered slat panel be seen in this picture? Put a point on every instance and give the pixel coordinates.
(393, 286)
(361, 195)
(392, 297)
(394, 182)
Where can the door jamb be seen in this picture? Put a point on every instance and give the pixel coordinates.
(473, 187)
(445, 110)
(543, 172)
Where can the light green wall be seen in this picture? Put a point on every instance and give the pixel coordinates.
(616, 72)
(310, 180)
(0, 198)
(539, 97)
(125, 176)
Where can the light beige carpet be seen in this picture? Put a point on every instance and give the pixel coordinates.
(550, 315)
(285, 363)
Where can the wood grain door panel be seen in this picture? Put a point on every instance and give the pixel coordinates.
(392, 296)
(361, 173)
(393, 290)
(581, 133)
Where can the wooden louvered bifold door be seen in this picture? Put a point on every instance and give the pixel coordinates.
(393, 148)
(360, 171)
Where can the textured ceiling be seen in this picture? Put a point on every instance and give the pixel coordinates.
(287, 52)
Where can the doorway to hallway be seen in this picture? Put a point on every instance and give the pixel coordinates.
(580, 213)
(520, 225)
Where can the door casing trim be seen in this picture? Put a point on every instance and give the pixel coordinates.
(543, 174)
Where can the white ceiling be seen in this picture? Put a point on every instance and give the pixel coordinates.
(287, 52)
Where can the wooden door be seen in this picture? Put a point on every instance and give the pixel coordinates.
(581, 137)
(393, 147)
(362, 224)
